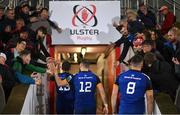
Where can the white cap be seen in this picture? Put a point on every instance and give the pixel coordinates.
(3, 55)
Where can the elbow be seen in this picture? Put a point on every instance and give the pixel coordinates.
(59, 85)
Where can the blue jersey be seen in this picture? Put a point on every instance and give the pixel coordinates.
(65, 96)
(85, 87)
(132, 86)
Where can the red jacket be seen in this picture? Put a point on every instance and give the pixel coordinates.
(48, 40)
(168, 23)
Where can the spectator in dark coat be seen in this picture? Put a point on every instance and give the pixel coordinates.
(176, 60)
(9, 21)
(172, 45)
(158, 39)
(146, 16)
(23, 11)
(149, 46)
(126, 38)
(128, 28)
(8, 79)
(23, 34)
(40, 45)
(134, 25)
(7, 26)
(162, 77)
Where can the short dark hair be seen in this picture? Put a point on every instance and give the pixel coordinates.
(25, 52)
(42, 29)
(136, 60)
(148, 42)
(66, 66)
(44, 9)
(141, 4)
(85, 63)
(149, 58)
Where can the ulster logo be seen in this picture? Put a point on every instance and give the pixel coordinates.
(84, 15)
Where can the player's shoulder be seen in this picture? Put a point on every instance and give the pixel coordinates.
(93, 74)
(123, 74)
(65, 74)
(146, 76)
(77, 74)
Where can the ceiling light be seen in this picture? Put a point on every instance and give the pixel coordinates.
(75, 57)
(83, 51)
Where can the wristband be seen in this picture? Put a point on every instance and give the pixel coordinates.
(69, 78)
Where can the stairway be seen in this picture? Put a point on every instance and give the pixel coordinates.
(153, 5)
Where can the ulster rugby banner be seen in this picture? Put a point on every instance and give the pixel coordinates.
(85, 22)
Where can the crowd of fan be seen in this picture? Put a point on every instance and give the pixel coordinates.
(158, 43)
(25, 40)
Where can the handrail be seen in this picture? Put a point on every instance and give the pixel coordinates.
(176, 2)
(177, 7)
(149, 6)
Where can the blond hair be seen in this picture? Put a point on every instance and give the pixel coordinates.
(132, 14)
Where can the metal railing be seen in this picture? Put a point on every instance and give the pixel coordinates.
(174, 4)
(153, 5)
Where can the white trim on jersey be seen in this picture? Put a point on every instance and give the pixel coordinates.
(146, 76)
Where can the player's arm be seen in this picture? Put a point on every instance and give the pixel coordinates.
(61, 82)
(54, 70)
(114, 97)
(103, 96)
(149, 97)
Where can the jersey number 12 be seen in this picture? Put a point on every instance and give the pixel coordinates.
(85, 86)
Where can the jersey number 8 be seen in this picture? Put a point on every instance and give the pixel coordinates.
(131, 87)
(85, 86)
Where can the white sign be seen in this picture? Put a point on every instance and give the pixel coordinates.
(85, 22)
